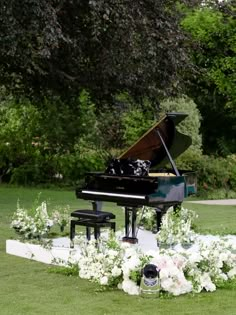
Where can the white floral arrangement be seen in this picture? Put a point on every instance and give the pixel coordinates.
(101, 261)
(176, 227)
(61, 217)
(34, 225)
(113, 263)
(147, 218)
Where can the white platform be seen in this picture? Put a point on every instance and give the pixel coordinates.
(61, 251)
(56, 255)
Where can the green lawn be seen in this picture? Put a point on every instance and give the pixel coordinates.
(27, 287)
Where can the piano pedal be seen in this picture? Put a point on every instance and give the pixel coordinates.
(154, 231)
(131, 240)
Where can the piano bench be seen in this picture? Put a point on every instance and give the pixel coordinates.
(91, 219)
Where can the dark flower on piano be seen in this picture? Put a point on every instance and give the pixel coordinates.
(128, 167)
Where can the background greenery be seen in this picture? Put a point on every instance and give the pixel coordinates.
(79, 82)
(76, 91)
(28, 287)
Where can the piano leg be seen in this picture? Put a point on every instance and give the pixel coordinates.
(130, 225)
(72, 233)
(127, 221)
(160, 211)
(134, 223)
(96, 232)
(88, 233)
(158, 218)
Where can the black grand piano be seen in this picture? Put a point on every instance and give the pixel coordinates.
(128, 183)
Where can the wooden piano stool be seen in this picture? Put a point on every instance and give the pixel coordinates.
(91, 219)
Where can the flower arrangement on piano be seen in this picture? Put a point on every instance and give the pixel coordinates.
(113, 263)
(176, 227)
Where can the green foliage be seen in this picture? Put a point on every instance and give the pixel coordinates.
(66, 271)
(42, 144)
(83, 159)
(137, 117)
(87, 127)
(106, 47)
(19, 126)
(135, 123)
(191, 125)
(215, 175)
(109, 120)
(212, 30)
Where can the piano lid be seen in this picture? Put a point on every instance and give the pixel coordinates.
(149, 146)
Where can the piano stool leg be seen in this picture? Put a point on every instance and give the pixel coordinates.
(113, 226)
(96, 232)
(72, 233)
(88, 233)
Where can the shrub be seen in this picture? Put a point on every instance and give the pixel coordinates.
(191, 125)
(216, 176)
(74, 165)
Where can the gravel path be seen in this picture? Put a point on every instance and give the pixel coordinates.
(226, 202)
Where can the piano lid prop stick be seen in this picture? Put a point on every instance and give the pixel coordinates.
(168, 153)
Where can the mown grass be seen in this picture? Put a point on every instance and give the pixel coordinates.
(27, 287)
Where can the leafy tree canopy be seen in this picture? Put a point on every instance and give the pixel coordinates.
(213, 29)
(63, 46)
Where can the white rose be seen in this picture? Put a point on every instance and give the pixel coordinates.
(104, 280)
(130, 287)
(116, 271)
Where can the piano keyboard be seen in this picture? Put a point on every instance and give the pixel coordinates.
(99, 193)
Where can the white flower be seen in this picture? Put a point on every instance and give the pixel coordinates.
(104, 280)
(206, 282)
(194, 257)
(232, 273)
(116, 271)
(112, 253)
(130, 287)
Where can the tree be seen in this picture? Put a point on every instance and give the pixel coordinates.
(63, 46)
(213, 29)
